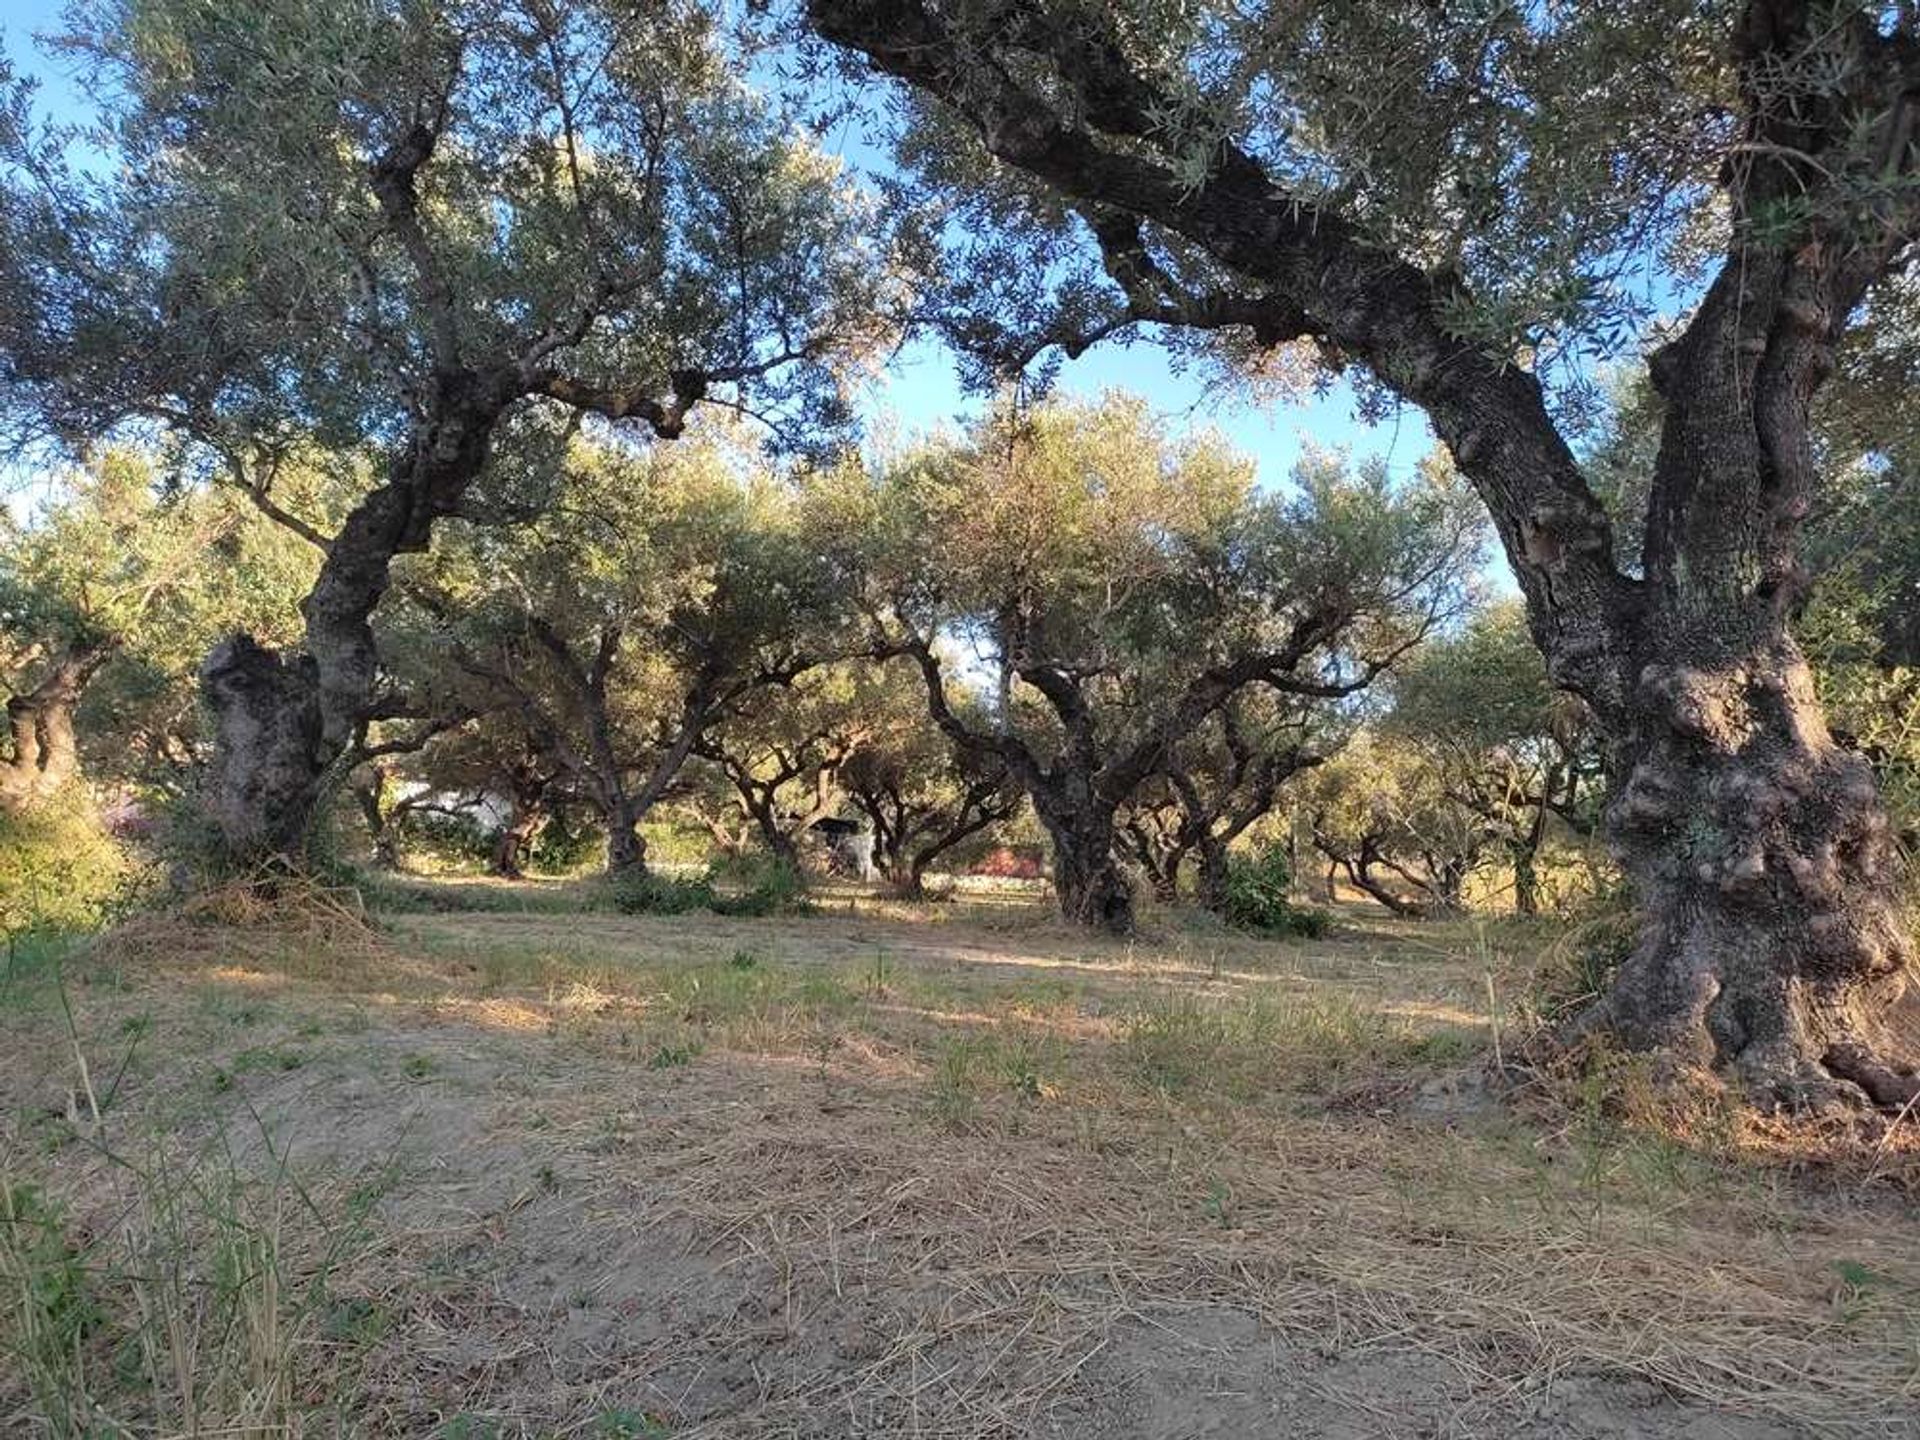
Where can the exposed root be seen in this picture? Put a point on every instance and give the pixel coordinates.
(1889, 1088)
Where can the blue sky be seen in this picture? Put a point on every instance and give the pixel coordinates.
(920, 390)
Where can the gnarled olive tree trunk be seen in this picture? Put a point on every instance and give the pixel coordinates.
(1773, 941)
(1088, 881)
(46, 756)
(263, 782)
(287, 726)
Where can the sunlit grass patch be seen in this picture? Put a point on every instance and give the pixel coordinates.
(993, 1076)
(1180, 1044)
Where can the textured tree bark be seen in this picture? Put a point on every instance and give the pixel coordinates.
(1773, 942)
(46, 756)
(263, 781)
(1090, 886)
(1213, 875)
(626, 849)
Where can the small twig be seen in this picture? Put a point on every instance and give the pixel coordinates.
(1886, 1136)
(1493, 1019)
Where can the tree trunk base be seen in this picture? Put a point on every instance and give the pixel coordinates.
(1774, 945)
(1097, 896)
(268, 764)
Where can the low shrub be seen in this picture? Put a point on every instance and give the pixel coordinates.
(768, 888)
(1258, 897)
(647, 892)
(452, 841)
(772, 888)
(60, 869)
(563, 846)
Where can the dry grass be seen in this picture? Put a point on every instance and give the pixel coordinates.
(877, 1174)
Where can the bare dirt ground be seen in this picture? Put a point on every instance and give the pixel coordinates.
(880, 1174)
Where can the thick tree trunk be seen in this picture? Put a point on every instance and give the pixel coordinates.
(1213, 876)
(1091, 887)
(263, 781)
(1773, 941)
(281, 724)
(782, 845)
(515, 840)
(46, 756)
(626, 850)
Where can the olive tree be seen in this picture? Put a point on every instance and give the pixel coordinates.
(107, 601)
(770, 770)
(1117, 589)
(1442, 197)
(1218, 783)
(921, 795)
(1477, 709)
(1381, 815)
(653, 596)
(438, 232)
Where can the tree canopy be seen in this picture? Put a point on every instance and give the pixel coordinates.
(1114, 590)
